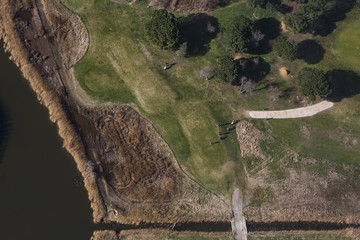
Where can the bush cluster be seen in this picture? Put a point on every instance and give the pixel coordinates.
(162, 30)
(227, 69)
(312, 82)
(285, 49)
(237, 36)
(307, 14)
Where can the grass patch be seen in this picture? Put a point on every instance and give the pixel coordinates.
(278, 172)
(272, 149)
(260, 195)
(348, 46)
(226, 15)
(253, 164)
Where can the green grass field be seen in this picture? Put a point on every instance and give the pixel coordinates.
(120, 66)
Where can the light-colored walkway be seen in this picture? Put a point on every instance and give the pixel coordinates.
(293, 113)
(238, 223)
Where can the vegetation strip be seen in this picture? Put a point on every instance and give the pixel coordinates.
(226, 226)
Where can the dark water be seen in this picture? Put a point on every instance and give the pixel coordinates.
(40, 196)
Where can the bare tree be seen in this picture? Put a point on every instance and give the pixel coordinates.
(210, 28)
(256, 37)
(247, 85)
(274, 92)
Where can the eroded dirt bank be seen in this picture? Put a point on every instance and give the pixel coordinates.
(129, 171)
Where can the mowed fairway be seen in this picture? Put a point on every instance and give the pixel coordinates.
(120, 66)
(348, 45)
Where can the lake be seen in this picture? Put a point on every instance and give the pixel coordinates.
(41, 191)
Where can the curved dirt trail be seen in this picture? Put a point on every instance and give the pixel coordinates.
(293, 113)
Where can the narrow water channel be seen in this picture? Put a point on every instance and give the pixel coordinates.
(41, 196)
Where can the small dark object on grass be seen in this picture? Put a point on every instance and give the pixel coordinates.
(218, 124)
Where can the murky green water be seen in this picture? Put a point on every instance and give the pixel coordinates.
(40, 196)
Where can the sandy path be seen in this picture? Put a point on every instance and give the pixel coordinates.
(293, 113)
(238, 223)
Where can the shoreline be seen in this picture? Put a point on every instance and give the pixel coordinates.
(57, 114)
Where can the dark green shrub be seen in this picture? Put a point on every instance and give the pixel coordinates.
(237, 36)
(227, 70)
(296, 23)
(285, 49)
(312, 82)
(162, 30)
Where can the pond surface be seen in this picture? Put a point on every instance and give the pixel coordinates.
(41, 192)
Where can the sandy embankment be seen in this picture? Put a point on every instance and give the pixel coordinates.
(125, 163)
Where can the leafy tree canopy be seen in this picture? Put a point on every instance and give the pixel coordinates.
(296, 23)
(162, 30)
(227, 70)
(237, 36)
(312, 82)
(285, 49)
(307, 14)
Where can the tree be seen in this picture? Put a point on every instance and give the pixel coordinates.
(308, 14)
(296, 23)
(312, 82)
(284, 48)
(237, 36)
(256, 37)
(253, 3)
(249, 86)
(162, 30)
(227, 70)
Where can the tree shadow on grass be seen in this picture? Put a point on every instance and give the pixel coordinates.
(344, 84)
(327, 23)
(284, 9)
(256, 68)
(271, 28)
(198, 30)
(310, 51)
(5, 130)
